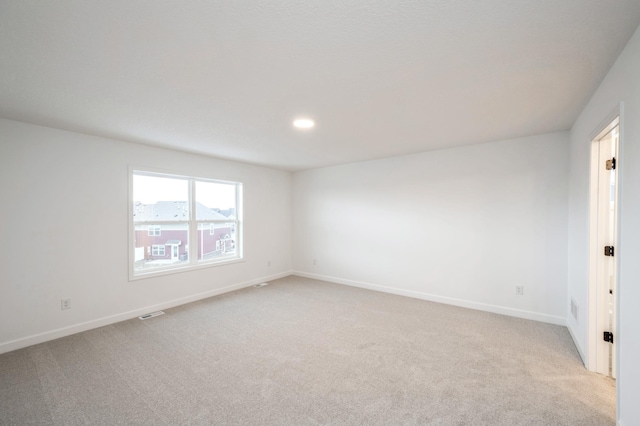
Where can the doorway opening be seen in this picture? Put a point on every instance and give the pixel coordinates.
(602, 258)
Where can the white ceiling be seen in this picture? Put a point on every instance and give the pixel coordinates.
(380, 77)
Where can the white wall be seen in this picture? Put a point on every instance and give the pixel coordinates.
(462, 226)
(622, 84)
(64, 232)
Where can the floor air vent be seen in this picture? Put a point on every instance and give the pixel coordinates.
(151, 315)
(261, 285)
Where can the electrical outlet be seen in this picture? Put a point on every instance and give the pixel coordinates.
(65, 304)
(519, 290)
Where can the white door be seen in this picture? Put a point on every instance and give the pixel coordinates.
(174, 252)
(606, 241)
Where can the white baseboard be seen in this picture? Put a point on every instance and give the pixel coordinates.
(577, 344)
(552, 319)
(89, 325)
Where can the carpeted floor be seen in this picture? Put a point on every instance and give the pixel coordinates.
(301, 351)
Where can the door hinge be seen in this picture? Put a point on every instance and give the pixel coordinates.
(611, 164)
(608, 337)
(608, 250)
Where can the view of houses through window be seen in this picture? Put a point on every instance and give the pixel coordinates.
(183, 221)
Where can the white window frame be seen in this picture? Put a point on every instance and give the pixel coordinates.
(155, 250)
(193, 224)
(154, 231)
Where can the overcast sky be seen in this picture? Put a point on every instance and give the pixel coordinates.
(151, 189)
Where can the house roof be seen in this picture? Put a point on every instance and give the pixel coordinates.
(380, 77)
(172, 210)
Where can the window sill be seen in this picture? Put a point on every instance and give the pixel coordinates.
(181, 269)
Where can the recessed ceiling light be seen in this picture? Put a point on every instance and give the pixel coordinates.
(303, 123)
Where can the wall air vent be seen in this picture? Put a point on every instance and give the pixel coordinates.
(261, 285)
(151, 315)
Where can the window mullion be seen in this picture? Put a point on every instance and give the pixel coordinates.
(238, 219)
(158, 228)
(193, 226)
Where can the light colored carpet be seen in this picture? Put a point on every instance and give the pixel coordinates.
(301, 351)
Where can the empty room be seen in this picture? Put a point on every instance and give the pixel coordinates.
(293, 213)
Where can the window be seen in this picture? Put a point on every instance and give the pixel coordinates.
(183, 212)
(157, 250)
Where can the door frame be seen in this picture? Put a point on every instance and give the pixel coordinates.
(595, 306)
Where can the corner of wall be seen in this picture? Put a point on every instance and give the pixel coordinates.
(576, 342)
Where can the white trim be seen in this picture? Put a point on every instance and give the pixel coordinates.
(153, 230)
(155, 250)
(180, 268)
(609, 122)
(592, 255)
(577, 345)
(192, 225)
(615, 117)
(101, 322)
(619, 240)
(518, 313)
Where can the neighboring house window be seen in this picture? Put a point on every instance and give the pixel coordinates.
(188, 213)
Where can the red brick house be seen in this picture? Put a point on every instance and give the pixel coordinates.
(161, 233)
